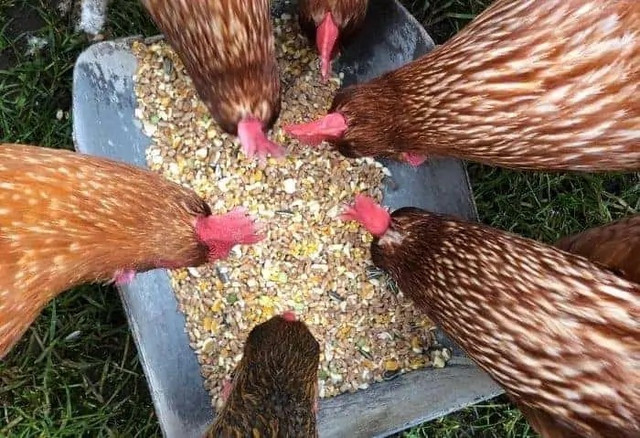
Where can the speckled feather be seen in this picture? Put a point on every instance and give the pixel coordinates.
(227, 48)
(67, 219)
(528, 84)
(615, 246)
(275, 384)
(560, 334)
(348, 15)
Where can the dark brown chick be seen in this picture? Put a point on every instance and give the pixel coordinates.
(560, 334)
(228, 50)
(274, 390)
(68, 219)
(330, 23)
(615, 246)
(546, 85)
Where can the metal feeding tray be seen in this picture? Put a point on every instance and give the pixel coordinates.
(104, 125)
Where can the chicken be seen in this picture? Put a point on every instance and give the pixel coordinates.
(228, 50)
(330, 23)
(615, 246)
(68, 219)
(560, 334)
(546, 85)
(274, 392)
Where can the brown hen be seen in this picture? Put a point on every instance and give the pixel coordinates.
(560, 334)
(528, 84)
(615, 246)
(227, 48)
(330, 23)
(68, 219)
(274, 391)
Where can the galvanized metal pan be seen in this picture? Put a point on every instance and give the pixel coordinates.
(104, 125)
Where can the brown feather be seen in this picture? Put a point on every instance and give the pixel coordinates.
(228, 50)
(546, 425)
(528, 84)
(68, 219)
(615, 245)
(560, 334)
(275, 384)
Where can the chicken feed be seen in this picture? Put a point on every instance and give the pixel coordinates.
(310, 261)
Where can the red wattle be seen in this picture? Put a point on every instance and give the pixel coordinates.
(326, 38)
(124, 276)
(227, 387)
(414, 159)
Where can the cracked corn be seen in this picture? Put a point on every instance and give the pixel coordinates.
(310, 261)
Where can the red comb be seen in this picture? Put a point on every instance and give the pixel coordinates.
(368, 213)
(326, 37)
(222, 232)
(330, 127)
(414, 159)
(289, 316)
(254, 141)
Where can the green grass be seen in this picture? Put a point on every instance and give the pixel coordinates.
(444, 18)
(76, 372)
(494, 419)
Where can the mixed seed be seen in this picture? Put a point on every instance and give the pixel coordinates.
(310, 261)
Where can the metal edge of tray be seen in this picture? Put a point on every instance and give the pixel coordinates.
(104, 125)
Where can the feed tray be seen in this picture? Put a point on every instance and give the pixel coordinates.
(104, 124)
